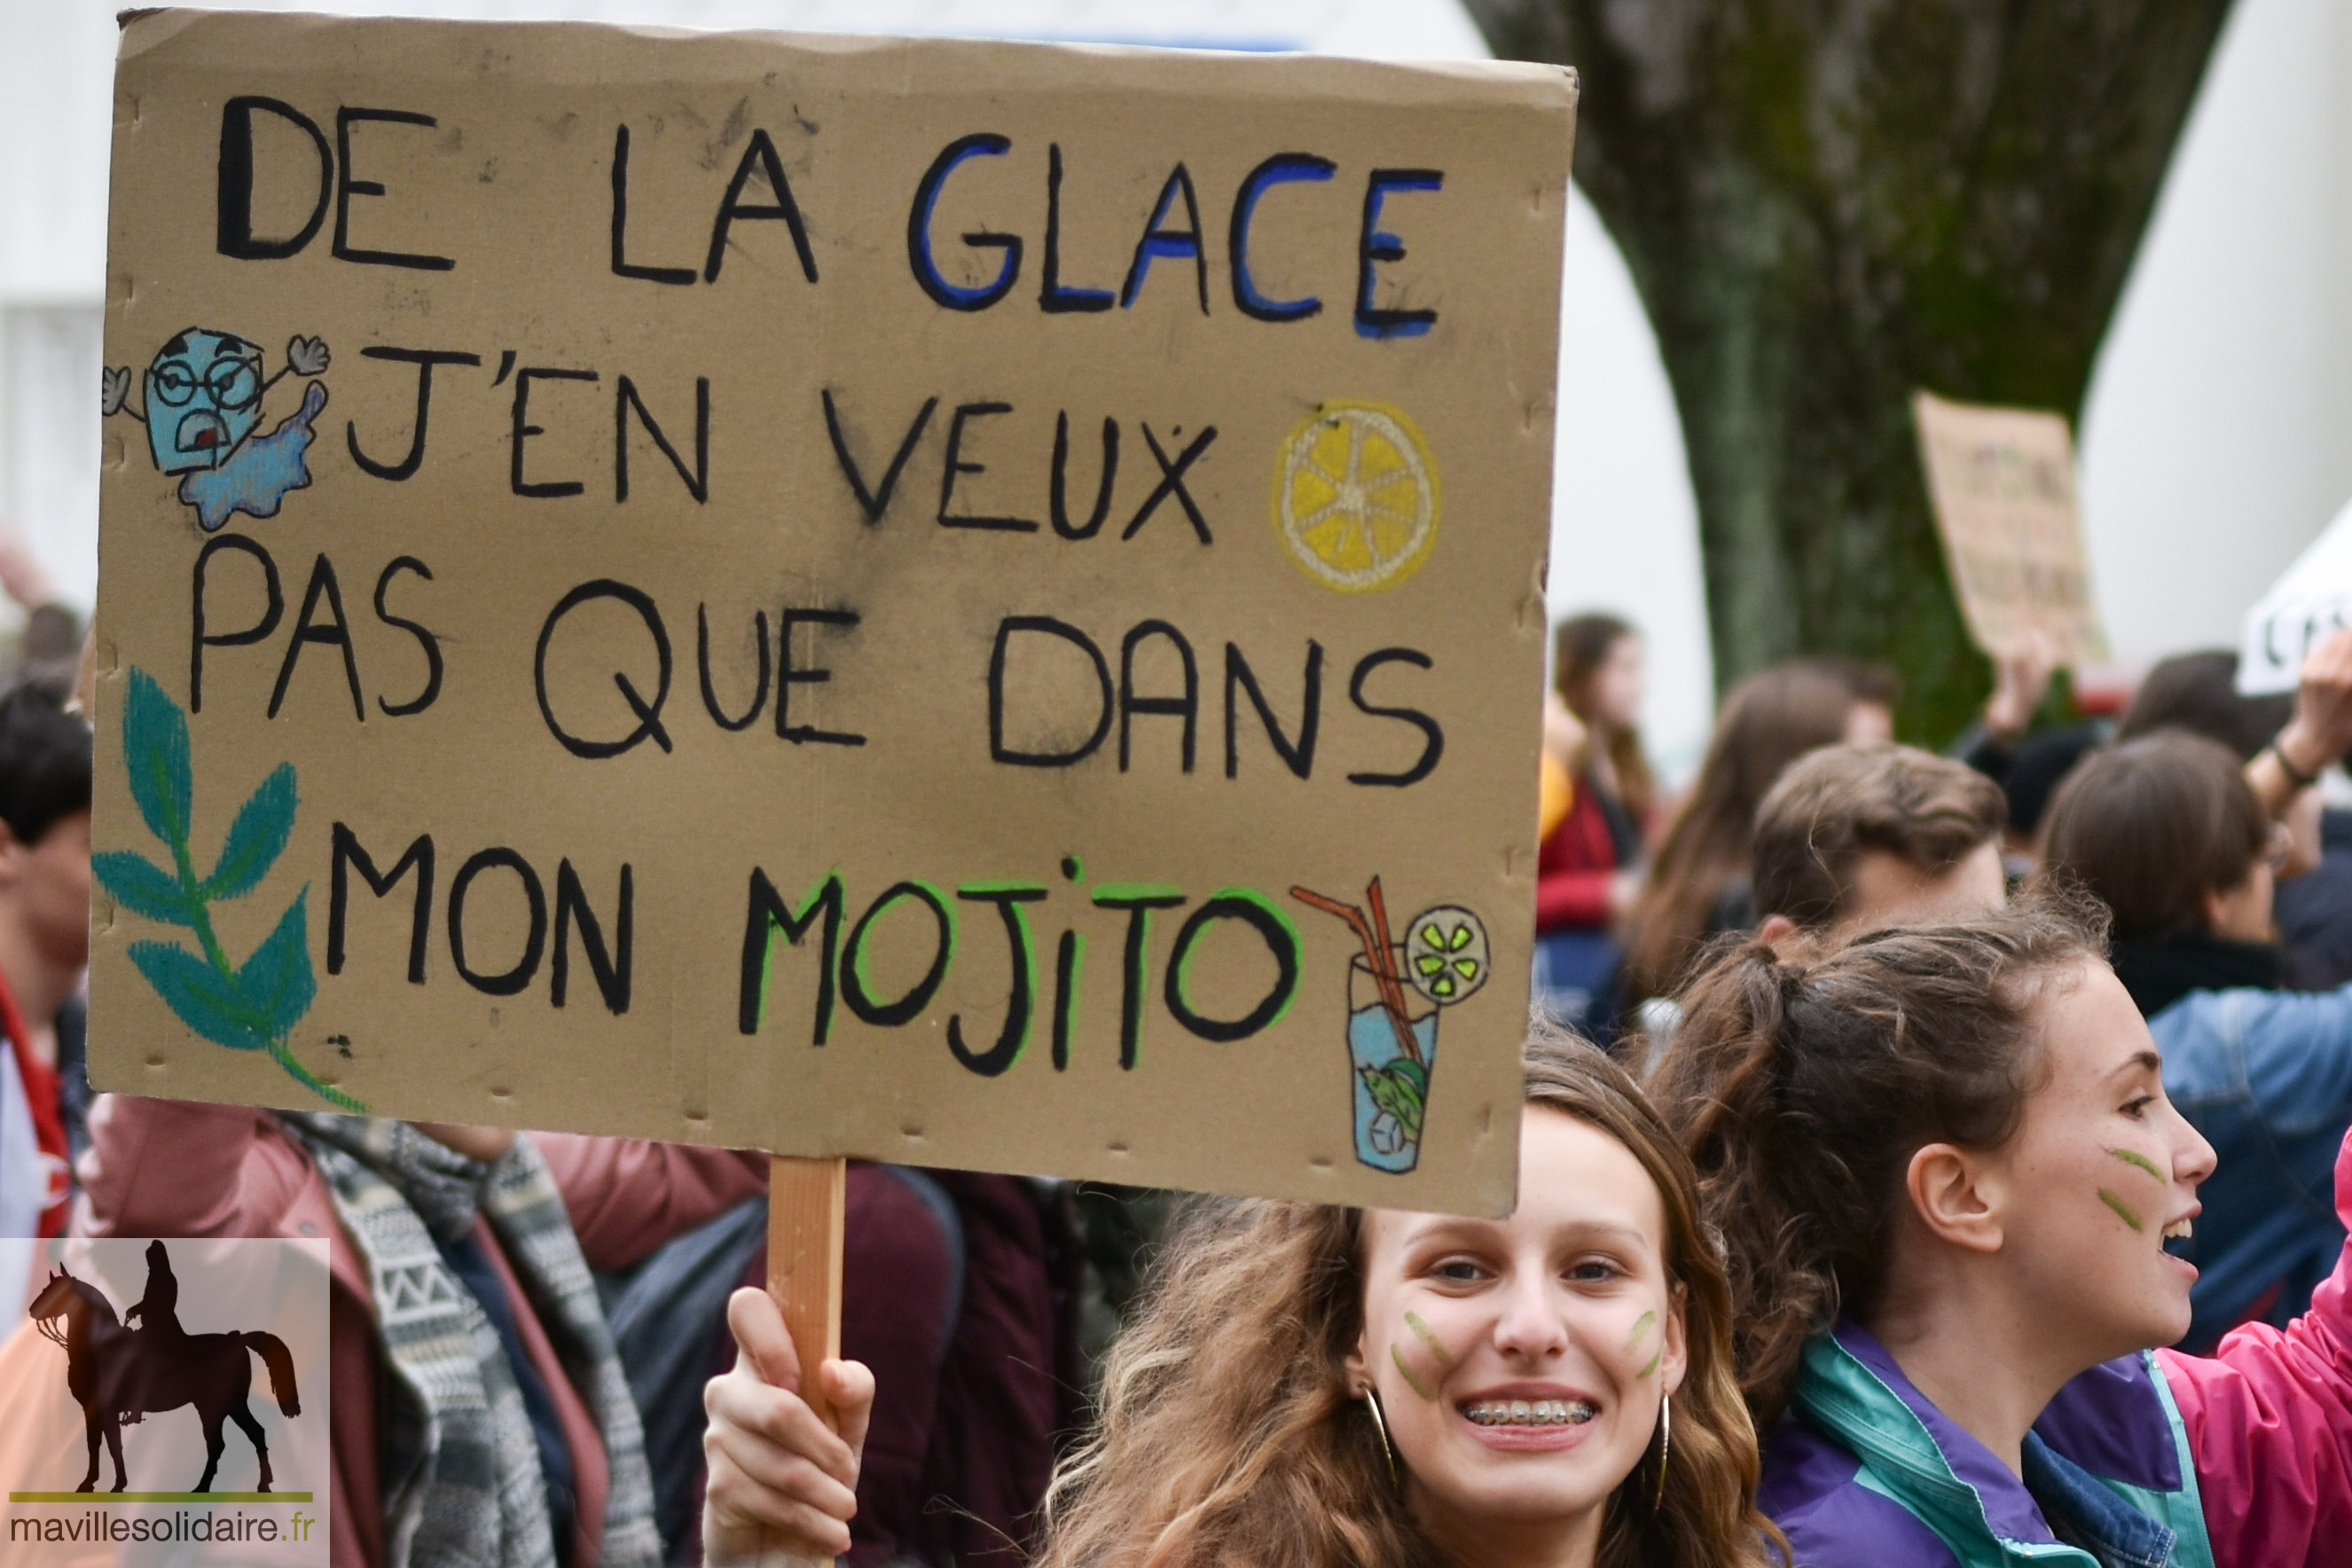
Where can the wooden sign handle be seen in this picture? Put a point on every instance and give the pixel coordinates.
(808, 1200)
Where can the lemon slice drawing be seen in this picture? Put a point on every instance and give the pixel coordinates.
(1446, 953)
(1355, 497)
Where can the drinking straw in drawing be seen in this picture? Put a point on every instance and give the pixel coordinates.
(1394, 1003)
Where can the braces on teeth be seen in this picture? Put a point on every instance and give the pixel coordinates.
(1530, 1412)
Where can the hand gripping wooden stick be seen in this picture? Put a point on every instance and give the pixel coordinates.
(806, 1203)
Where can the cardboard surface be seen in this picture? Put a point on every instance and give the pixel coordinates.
(2312, 599)
(642, 485)
(2002, 480)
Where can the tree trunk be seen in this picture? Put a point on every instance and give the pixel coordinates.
(1825, 206)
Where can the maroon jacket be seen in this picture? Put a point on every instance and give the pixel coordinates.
(957, 1290)
(1575, 866)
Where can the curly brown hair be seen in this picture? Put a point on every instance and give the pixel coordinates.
(1226, 1434)
(1834, 805)
(1801, 1094)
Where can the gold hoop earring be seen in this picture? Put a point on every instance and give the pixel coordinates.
(1380, 1425)
(1666, 1446)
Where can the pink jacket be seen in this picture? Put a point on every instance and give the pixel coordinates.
(2269, 1418)
(159, 1167)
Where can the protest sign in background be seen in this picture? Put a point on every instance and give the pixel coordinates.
(2311, 599)
(2002, 480)
(844, 596)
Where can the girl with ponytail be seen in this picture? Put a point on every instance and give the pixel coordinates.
(1948, 1183)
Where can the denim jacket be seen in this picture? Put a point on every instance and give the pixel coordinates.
(2267, 1076)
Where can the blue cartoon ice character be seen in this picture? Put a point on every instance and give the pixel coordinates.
(204, 394)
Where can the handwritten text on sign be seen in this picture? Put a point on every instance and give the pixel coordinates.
(964, 603)
(2002, 481)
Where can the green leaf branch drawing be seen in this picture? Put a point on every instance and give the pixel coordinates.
(248, 1006)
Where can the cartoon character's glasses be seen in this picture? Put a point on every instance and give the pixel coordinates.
(233, 383)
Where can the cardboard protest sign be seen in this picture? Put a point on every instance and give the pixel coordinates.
(2311, 600)
(966, 603)
(2002, 480)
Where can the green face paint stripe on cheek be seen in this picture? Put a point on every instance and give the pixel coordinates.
(2123, 1211)
(1641, 1326)
(1421, 1332)
(1411, 1381)
(1656, 1358)
(2137, 1161)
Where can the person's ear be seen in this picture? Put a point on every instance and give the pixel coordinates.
(1352, 1370)
(1677, 1351)
(2213, 907)
(1956, 1197)
(12, 855)
(1776, 930)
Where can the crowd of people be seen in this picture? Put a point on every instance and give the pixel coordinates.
(1933, 1158)
(1964, 1181)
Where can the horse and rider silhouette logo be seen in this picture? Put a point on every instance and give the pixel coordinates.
(119, 1374)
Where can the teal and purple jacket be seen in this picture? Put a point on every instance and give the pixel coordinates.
(2242, 1459)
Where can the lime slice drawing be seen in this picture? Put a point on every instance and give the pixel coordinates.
(1355, 497)
(1446, 953)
